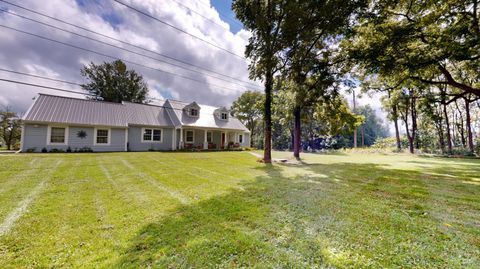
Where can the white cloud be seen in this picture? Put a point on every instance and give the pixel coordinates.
(33, 55)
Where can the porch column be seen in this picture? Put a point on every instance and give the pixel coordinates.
(225, 145)
(181, 139)
(205, 142)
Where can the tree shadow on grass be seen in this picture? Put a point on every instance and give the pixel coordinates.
(340, 215)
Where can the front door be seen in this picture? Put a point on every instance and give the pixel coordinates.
(222, 144)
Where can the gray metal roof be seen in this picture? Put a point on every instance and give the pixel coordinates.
(140, 114)
(58, 109)
(67, 110)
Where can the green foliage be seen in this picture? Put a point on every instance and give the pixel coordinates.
(248, 109)
(10, 128)
(114, 83)
(55, 150)
(433, 42)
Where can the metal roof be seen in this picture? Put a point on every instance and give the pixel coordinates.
(206, 119)
(67, 110)
(141, 114)
(58, 109)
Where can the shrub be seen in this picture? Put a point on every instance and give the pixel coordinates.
(85, 149)
(44, 150)
(30, 150)
(69, 149)
(54, 150)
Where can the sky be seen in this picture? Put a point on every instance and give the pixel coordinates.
(217, 46)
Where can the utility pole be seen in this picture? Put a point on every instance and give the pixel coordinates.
(355, 129)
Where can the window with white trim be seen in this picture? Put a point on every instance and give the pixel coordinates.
(189, 136)
(147, 135)
(102, 136)
(209, 137)
(224, 116)
(57, 135)
(152, 135)
(240, 138)
(194, 112)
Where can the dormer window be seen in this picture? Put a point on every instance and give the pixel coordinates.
(192, 110)
(224, 116)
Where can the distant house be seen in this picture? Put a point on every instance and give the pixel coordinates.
(63, 122)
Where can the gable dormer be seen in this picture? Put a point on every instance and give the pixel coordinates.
(222, 113)
(192, 110)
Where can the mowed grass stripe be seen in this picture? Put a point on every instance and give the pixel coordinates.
(153, 181)
(18, 212)
(18, 186)
(120, 167)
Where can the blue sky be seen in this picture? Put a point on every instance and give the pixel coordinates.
(189, 77)
(224, 7)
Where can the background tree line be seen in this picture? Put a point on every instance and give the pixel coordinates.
(423, 55)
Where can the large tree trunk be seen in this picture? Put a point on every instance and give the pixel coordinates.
(447, 128)
(409, 136)
(297, 132)
(414, 121)
(468, 123)
(439, 125)
(267, 151)
(460, 126)
(397, 132)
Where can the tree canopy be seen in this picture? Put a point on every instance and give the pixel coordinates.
(248, 109)
(114, 83)
(436, 42)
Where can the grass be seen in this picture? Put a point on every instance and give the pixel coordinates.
(224, 209)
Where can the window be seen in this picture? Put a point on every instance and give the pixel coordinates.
(157, 135)
(102, 136)
(194, 112)
(224, 116)
(147, 135)
(209, 137)
(57, 135)
(240, 138)
(189, 136)
(152, 135)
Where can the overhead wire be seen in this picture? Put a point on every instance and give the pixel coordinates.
(123, 42)
(118, 47)
(76, 92)
(178, 29)
(115, 57)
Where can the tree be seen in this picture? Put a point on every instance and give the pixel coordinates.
(112, 82)
(373, 126)
(433, 42)
(312, 32)
(10, 128)
(264, 19)
(247, 108)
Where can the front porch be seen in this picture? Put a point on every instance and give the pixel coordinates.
(213, 139)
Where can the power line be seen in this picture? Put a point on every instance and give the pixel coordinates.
(113, 57)
(179, 29)
(121, 41)
(41, 86)
(76, 92)
(118, 47)
(198, 13)
(37, 76)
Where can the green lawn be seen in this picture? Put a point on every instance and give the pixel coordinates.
(225, 209)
